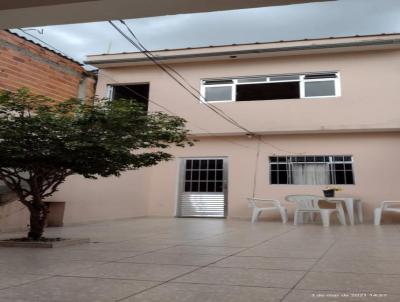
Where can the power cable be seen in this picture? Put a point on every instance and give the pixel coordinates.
(172, 112)
(163, 68)
(45, 43)
(139, 45)
(144, 50)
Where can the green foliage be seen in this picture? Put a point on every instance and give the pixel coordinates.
(38, 135)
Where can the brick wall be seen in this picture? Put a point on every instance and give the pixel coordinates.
(25, 64)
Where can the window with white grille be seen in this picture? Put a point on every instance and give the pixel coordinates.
(274, 87)
(311, 170)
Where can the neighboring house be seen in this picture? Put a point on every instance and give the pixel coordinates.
(24, 63)
(327, 111)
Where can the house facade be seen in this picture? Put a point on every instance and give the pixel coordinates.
(316, 113)
(307, 115)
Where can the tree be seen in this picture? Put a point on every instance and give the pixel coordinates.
(42, 142)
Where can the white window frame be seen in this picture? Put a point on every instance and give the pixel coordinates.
(110, 88)
(110, 92)
(203, 92)
(301, 80)
(331, 162)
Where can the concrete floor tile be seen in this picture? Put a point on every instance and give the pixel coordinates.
(268, 251)
(44, 266)
(10, 279)
(351, 282)
(71, 289)
(328, 296)
(175, 292)
(179, 259)
(206, 250)
(135, 271)
(240, 262)
(357, 265)
(266, 263)
(245, 277)
(125, 246)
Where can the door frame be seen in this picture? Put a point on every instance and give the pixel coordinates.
(181, 183)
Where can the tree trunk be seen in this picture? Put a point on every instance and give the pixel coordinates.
(37, 221)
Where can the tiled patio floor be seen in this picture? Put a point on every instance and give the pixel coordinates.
(207, 260)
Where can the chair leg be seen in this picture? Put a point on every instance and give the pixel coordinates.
(300, 218)
(341, 216)
(325, 217)
(284, 214)
(359, 212)
(378, 216)
(296, 217)
(254, 216)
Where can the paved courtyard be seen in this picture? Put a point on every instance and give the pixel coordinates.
(207, 260)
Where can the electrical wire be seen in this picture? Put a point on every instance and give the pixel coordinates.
(45, 43)
(151, 101)
(142, 48)
(139, 45)
(163, 68)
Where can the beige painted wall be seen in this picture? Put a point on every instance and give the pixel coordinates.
(153, 191)
(369, 101)
(13, 216)
(376, 166)
(104, 198)
(90, 200)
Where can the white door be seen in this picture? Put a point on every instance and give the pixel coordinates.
(203, 187)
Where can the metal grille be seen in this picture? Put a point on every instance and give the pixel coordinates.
(202, 191)
(202, 205)
(340, 168)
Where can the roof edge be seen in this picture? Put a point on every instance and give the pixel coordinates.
(182, 56)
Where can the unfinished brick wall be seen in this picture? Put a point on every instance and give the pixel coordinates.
(25, 64)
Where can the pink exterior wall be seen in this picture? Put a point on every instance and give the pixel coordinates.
(363, 122)
(13, 216)
(89, 201)
(105, 198)
(369, 100)
(376, 166)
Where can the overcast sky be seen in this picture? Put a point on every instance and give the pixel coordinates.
(339, 18)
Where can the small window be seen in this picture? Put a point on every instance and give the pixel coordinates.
(276, 87)
(136, 92)
(270, 91)
(311, 170)
(218, 93)
(319, 88)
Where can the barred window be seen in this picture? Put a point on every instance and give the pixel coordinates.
(311, 170)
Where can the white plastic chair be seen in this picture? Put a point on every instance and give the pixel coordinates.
(259, 205)
(385, 207)
(309, 204)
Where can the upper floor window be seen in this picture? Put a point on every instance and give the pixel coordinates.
(293, 86)
(137, 92)
(311, 170)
